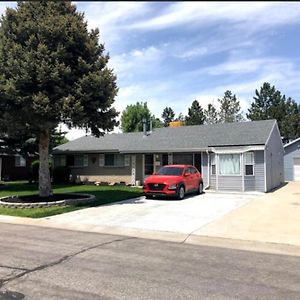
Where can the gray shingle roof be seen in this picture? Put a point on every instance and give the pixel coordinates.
(175, 139)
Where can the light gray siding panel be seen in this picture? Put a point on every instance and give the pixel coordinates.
(274, 160)
(213, 182)
(256, 182)
(94, 168)
(230, 183)
(290, 152)
(259, 170)
(250, 183)
(204, 168)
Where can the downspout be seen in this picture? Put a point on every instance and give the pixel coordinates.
(208, 170)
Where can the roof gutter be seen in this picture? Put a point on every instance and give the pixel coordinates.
(165, 150)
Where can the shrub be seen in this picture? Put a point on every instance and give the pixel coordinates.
(34, 170)
(61, 174)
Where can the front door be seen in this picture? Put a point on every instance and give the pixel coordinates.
(148, 165)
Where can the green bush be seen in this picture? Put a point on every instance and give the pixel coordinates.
(61, 174)
(34, 170)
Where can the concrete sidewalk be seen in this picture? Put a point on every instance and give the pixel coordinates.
(272, 218)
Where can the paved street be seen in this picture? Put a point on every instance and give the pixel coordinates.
(45, 263)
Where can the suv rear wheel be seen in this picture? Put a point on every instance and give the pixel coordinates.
(200, 188)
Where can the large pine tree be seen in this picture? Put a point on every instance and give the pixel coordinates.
(230, 109)
(195, 114)
(168, 116)
(269, 103)
(52, 70)
(211, 114)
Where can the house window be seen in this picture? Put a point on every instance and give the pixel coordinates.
(20, 161)
(114, 160)
(230, 164)
(249, 163)
(77, 160)
(213, 164)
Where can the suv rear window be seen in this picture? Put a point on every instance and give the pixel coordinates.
(175, 171)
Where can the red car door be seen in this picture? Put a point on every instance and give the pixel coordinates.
(197, 178)
(188, 180)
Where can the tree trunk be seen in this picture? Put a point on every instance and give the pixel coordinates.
(44, 173)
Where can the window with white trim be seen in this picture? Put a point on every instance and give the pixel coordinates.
(249, 163)
(213, 164)
(114, 160)
(229, 164)
(20, 161)
(77, 160)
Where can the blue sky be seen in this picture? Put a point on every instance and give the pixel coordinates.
(172, 53)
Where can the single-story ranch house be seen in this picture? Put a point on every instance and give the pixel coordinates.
(245, 156)
(292, 161)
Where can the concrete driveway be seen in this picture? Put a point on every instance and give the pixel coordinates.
(184, 216)
(273, 218)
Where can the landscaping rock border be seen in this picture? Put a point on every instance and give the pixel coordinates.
(88, 199)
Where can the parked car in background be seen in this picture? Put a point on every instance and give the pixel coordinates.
(173, 181)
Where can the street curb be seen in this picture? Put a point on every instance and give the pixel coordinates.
(181, 238)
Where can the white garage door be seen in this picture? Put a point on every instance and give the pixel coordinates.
(297, 169)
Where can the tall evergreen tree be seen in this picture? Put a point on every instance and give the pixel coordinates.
(269, 103)
(211, 114)
(195, 114)
(52, 70)
(230, 109)
(290, 124)
(168, 116)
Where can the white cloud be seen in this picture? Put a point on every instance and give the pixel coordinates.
(137, 61)
(252, 13)
(110, 17)
(199, 51)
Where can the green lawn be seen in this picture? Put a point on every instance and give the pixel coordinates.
(104, 194)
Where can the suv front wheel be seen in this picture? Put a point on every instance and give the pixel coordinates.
(180, 192)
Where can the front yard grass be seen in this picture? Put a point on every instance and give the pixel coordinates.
(104, 195)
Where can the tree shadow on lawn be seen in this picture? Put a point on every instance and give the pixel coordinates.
(112, 197)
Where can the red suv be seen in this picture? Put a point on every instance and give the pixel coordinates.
(173, 180)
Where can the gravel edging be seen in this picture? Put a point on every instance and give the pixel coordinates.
(88, 199)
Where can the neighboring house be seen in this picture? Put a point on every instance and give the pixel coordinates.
(14, 167)
(246, 156)
(292, 161)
